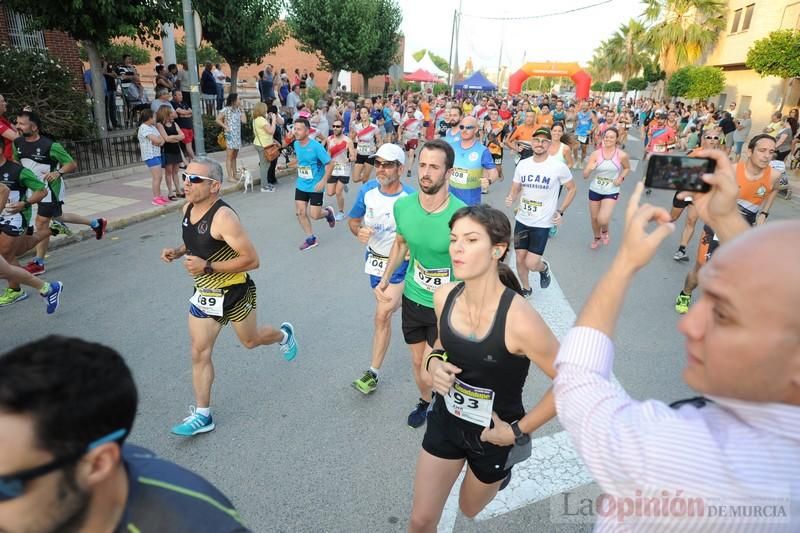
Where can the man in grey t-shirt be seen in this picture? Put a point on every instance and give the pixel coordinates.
(741, 133)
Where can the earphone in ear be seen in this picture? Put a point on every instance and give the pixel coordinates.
(496, 252)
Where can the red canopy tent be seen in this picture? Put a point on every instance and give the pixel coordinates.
(421, 75)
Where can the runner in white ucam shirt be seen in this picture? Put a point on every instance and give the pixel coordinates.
(372, 222)
(538, 179)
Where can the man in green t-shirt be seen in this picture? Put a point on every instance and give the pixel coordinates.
(49, 161)
(423, 233)
(15, 212)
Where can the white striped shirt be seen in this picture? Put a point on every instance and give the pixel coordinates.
(147, 149)
(729, 453)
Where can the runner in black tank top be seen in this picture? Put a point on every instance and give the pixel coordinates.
(488, 335)
(218, 255)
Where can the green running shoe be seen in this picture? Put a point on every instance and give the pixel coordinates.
(11, 297)
(367, 383)
(682, 303)
(59, 228)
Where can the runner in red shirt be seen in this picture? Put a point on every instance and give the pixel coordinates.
(7, 131)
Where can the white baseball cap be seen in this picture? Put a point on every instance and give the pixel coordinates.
(391, 152)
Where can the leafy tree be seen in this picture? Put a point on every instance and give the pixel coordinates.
(382, 22)
(331, 30)
(705, 82)
(637, 84)
(33, 78)
(613, 87)
(95, 23)
(598, 86)
(630, 50)
(205, 54)
(652, 72)
(243, 32)
(679, 82)
(683, 30)
(777, 54)
(113, 53)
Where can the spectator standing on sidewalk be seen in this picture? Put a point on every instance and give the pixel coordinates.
(208, 90)
(162, 100)
(150, 142)
(170, 150)
(184, 121)
(183, 83)
(230, 119)
(264, 126)
(219, 79)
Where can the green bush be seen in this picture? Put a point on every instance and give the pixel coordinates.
(33, 78)
(598, 86)
(637, 84)
(113, 53)
(613, 86)
(678, 84)
(211, 131)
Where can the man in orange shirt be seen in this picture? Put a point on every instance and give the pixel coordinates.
(425, 108)
(520, 139)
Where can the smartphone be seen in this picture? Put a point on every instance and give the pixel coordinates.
(678, 172)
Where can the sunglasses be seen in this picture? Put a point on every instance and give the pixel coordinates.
(386, 164)
(13, 485)
(195, 179)
(712, 138)
(466, 127)
(336, 126)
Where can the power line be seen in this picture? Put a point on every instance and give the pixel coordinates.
(540, 16)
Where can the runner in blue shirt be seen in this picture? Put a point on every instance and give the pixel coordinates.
(314, 167)
(474, 169)
(583, 129)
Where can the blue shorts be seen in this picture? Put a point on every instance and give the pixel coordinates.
(398, 276)
(153, 162)
(597, 197)
(531, 239)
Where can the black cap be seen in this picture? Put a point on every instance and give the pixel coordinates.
(543, 131)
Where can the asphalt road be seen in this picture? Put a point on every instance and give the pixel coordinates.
(296, 448)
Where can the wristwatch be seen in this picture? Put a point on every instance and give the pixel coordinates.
(208, 269)
(520, 438)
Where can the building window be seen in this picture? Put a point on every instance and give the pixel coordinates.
(737, 16)
(17, 34)
(748, 16)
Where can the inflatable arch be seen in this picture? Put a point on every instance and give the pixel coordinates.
(579, 76)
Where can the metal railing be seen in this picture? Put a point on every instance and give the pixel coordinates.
(102, 155)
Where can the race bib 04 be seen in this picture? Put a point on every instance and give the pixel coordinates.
(208, 301)
(375, 264)
(469, 403)
(304, 173)
(430, 279)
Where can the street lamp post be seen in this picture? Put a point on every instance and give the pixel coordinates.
(194, 84)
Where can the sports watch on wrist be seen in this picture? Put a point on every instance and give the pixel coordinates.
(520, 438)
(208, 269)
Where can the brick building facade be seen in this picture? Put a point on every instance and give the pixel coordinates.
(56, 43)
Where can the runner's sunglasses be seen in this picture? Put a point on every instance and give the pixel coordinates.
(195, 179)
(13, 485)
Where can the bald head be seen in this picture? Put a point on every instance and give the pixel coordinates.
(743, 334)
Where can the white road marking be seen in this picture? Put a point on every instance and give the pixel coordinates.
(554, 466)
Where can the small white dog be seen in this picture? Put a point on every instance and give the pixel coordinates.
(247, 178)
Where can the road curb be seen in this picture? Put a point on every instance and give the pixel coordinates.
(114, 225)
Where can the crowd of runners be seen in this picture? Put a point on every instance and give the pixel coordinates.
(431, 250)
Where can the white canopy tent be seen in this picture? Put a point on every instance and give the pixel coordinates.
(426, 63)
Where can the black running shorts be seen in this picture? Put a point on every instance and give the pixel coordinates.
(419, 323)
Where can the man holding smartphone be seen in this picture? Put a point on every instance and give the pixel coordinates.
(756, 180)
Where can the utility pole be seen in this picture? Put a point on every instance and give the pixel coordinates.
(194, 82)
(168, 44)
(458, 30)
(450, 79)
(499, 62)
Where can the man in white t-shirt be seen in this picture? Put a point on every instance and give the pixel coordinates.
(409, 133)
(219, 78)
(538, 178)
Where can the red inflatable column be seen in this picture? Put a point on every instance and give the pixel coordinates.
(583, 83)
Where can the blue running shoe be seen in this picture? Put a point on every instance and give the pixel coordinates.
(53, 296)
(289, 348)
(194, 424)
(419, 415)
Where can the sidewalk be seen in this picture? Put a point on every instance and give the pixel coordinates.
(123, 196)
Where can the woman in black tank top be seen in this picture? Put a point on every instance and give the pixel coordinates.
(170, 150)
(490, 335)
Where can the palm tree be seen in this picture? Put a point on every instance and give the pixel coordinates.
(630, 51)
(681, 31)
(604, 63)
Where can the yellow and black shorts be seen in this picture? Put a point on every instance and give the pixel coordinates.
(240, 301)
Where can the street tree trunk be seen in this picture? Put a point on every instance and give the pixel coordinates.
(98, 87)
(366, 84)
(234, 78)
(334, 79)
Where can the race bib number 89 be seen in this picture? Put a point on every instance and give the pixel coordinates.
(430, 279)
(208, 301)
(469, 403)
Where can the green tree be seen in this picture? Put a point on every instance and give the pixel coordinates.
(418, 55)
(33, 78)
(679, 82)
(113, 53)
(652, 72)
(613, 87)
(440, 62)
(598, 86)
(331, 30)
(205, 54)
(95, 23)
(243, 32)
(777, 54)
(630, 50)
(382, 23)
(637, 84)
(705, 82)
(681, 31)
